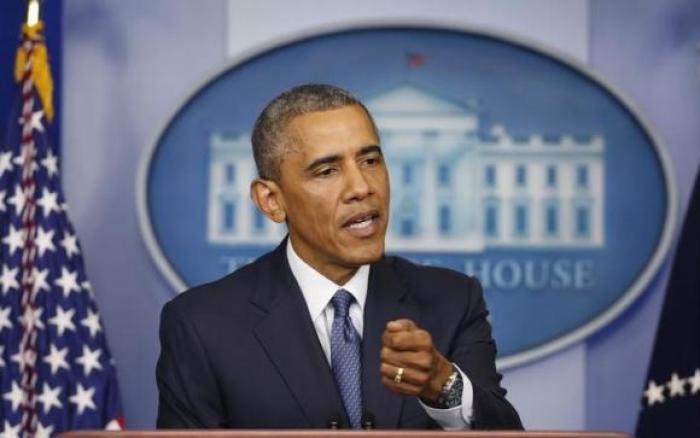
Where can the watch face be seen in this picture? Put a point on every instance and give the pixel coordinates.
(451, 394)
(454, 394)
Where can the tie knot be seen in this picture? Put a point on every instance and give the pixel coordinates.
(341, 302)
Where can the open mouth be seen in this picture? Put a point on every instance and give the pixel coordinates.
(363, 224)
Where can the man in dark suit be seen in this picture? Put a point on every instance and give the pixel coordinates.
(326, 330)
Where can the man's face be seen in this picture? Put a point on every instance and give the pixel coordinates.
(334, 189)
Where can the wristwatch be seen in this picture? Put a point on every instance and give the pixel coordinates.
(451, 393)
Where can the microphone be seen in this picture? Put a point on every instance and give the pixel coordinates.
(334, 421)
(367, 422)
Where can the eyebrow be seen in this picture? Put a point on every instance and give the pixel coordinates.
(335, 157)
(371, 148)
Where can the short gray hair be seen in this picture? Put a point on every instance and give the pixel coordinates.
(269, 133)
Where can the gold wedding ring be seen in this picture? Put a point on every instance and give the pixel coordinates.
(399, 375)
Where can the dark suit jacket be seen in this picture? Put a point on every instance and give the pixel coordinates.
(242, 352)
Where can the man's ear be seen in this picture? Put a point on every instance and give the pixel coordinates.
(267, 196)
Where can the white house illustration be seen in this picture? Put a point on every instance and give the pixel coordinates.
(452, 188)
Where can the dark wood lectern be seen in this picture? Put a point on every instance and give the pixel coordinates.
(335, 434)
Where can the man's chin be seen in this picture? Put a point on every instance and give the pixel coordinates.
(366, 255)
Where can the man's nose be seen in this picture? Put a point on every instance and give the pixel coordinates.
(357, 185)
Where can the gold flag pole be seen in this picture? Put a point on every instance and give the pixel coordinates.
(32, 12)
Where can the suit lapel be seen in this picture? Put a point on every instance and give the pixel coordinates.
(386, 300)
(288, 336)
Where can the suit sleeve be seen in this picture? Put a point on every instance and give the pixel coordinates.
(188, 395)
(474, 351)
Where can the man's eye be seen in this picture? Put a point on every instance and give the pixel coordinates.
(326, 172)
(372, 161)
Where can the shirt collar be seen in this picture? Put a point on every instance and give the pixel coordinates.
(318, 290)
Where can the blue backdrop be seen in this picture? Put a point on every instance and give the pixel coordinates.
(129, 64)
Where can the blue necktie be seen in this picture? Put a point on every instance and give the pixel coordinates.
(345, 357)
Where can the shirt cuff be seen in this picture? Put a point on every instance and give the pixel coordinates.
(458, 417)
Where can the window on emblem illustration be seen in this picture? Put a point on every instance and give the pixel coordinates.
(407, 172)
(444, 175)
(551, 176)
(520, 176)
(445, 219)
(258, 220)
(491, 219)
(551, 215)
(582, 177)
(520, 220)
(490, 176)
(230, 174)
(583, 219)
(229, 213)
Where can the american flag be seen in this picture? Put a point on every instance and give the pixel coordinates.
(56, 372)
(414, 59)
(671, 397)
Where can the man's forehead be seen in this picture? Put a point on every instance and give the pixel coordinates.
(330, 123)
(318, 115)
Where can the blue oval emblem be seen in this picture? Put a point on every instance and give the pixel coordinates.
(506, 162)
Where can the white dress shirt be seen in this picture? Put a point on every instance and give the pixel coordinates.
(318, 291)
